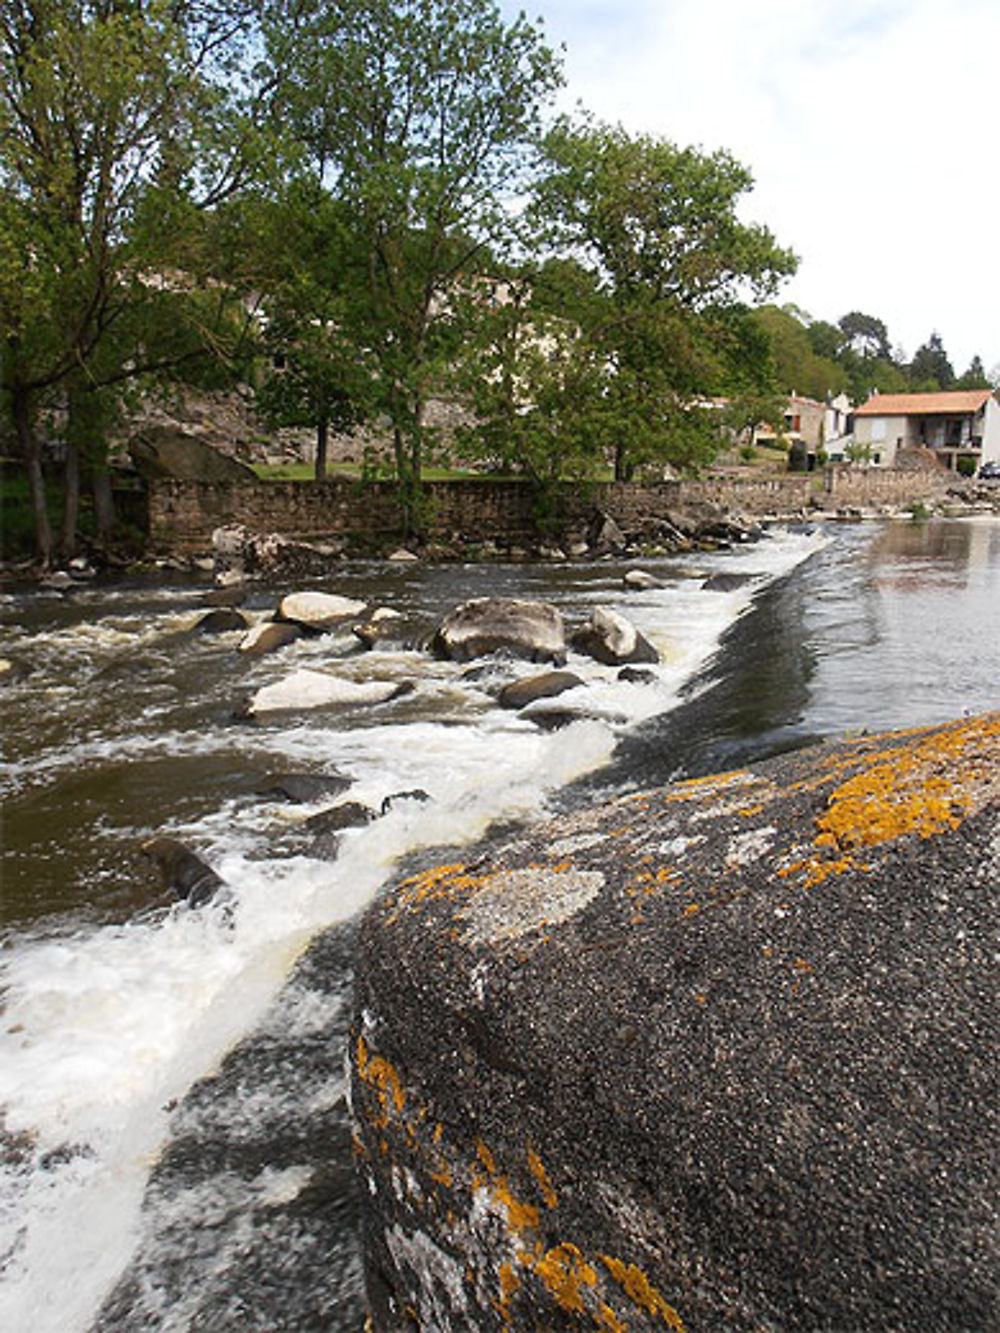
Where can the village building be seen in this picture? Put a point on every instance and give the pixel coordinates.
(961, 424)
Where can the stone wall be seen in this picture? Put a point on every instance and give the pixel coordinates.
(182, 514)
(872, 486)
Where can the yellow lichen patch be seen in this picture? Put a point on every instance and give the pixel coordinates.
(537, 1169)
(695, 789)
(509, 1282)
(692, 909)
(486, 1157)
(440, 882)
(565, 1274)
(379, 1074)
(637, 1286)
(520, 1216)
(605, 1318)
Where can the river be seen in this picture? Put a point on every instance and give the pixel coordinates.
(174, 1145)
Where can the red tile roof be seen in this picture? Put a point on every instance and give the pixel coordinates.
(923, 404)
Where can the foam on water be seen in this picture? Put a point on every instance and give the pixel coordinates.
(104, 1029)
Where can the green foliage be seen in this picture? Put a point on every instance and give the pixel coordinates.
(669, 262)
(975, 377)
(930, 368)
(420, 116)
(799, 367)
(965, 466)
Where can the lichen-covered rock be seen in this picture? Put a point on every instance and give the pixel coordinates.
(721, 1056)
(485, 625)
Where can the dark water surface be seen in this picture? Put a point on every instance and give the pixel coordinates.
(136, 1033)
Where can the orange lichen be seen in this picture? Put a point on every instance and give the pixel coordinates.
(641, 1292)
(566, 1273)
(605, 1318)
(520, 1216)
(379, 1074)
(537, 1169)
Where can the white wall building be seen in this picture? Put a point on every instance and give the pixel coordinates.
(964, 423)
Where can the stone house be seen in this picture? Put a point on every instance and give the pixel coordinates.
(962, 423)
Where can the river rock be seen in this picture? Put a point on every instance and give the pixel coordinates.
(317, 689)
(318, 611)
(604, 534)
(304, 788)
(729, 581)
(485, 625)
(269, 636)
(639, 578)
(224, 620)
(719, 1056)
(520, 693)
(389, 629)
(414, 794)
(612, 639)
(184, 873)
(241, 554)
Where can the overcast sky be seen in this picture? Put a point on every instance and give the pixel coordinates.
(872, 128)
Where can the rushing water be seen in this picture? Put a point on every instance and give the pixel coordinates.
(174, 1148)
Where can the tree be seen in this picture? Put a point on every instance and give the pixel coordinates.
(298, 253)
(975, 377)
(420, 116)
(658, 226)
(930, 367)
(100, 104)
(866, 335)
(798, 367)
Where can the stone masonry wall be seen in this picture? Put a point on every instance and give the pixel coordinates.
(183, 514)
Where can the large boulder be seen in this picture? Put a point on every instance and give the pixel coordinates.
(612, 639)
(166, 452)
(485, 625)
(720, 1056)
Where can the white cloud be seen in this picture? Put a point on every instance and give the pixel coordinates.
(871, 128)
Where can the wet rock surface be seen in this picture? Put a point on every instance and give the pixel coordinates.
(716, 1056)
(250, 1219)
(485, 625)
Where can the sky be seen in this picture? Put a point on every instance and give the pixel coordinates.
(871, 127)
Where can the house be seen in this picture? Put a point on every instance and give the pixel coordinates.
(962, 424)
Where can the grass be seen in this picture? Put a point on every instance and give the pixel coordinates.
(353, 472)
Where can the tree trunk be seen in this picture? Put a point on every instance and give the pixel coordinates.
(71, 502)
(623, 468)
(30, 452)
(322, 440)
(104, 502)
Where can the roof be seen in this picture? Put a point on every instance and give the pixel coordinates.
(923, 404)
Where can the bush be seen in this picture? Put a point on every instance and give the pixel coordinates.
(966, 467)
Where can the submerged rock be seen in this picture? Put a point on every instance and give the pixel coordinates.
(720, 1056)
(520, 693)
(485, 625)
(184, 873)
(224, 620)
(612, 639)
(304, 788)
